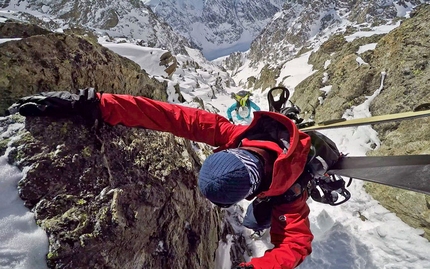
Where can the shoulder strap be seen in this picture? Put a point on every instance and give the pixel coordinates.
(267, 158)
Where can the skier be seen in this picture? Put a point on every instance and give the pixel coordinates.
(248, 163)
(242, 106)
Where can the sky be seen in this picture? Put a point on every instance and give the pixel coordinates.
(342, 238)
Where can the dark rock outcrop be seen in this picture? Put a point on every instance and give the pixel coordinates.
(20, 30)
(62, 62)
(124, 198)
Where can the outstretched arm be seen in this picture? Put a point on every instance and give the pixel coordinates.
(191, 123)
(231, 109)
(290, 234)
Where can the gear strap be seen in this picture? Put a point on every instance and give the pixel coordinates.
(294, 192)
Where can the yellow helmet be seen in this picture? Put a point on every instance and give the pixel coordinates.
(242, 97)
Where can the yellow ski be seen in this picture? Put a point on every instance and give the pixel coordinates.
(341, 123)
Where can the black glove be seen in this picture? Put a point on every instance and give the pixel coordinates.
(59, 104)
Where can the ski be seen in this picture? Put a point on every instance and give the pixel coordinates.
(409, 172)
(278, 97)
(341, 123)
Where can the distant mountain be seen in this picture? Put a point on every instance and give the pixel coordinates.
(301, 21)
(273, 31)
(217, 27)
(276, 28)
(129, 19)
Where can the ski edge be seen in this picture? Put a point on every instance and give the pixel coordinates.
(400, 168)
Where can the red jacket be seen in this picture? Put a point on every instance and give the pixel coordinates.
(290, 232)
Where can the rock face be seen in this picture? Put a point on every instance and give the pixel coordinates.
(404, 56)
(349, 81)
(300, 27)
(63, 62)
(19, 30)
(404, 53)
(292, 28)
(169, 61)
(126, 198)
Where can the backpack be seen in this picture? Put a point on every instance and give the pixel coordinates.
(323, 154)
(322, 186)
(314, 180)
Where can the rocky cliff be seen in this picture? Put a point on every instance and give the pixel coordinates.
(403, 54)
(119, 198)
(301, 23)
(126, 198)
